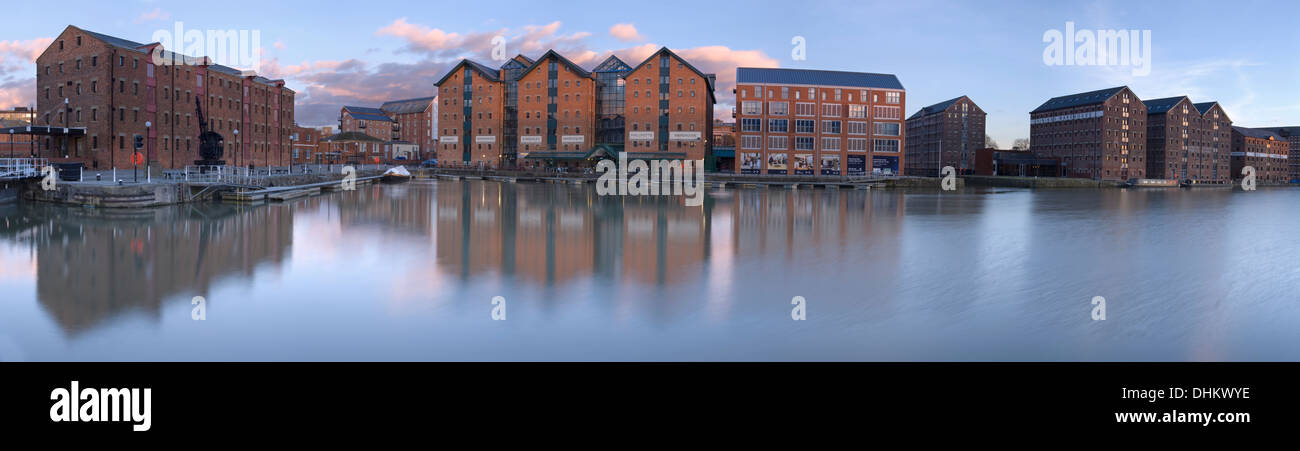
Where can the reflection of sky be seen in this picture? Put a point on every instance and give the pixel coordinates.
(888, 275)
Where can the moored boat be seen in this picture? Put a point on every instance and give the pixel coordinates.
(1151, 183)
(396, 174)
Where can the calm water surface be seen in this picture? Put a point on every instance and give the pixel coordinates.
(407, 272)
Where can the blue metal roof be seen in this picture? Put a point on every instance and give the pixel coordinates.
(1204, 107)
(816, 77)
(936, 108)
(1081, 99)
(1260, 133)
(1162, 106)
(367, 114)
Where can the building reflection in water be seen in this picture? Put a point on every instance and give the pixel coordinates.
(92, 264)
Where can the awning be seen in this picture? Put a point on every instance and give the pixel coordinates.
(600, 151)
(724, 152)
(45, 130)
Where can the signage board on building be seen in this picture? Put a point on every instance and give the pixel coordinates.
(449, 139)
(751, 163)
(830, 165)
(572, 139)
(485, 139)
(683, 136)
(530, 139)
(640, 136)
(856, 164)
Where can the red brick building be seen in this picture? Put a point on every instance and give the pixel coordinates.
(470, 115)
(415, 121)
(370, 121)
(113, 87)
(806, 122)
(558, 114)
(1292, 134)
(306, 144)
(1099, 135)
(1264, 150)
(944, 134)
(1187, 141)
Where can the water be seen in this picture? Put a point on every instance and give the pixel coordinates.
(407, 272)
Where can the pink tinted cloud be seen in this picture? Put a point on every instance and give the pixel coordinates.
(625, 32)
(17, 74)
(156, 14)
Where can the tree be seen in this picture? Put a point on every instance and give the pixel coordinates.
(1020, 144)
(989, 142)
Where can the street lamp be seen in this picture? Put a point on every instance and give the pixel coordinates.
(238, 158)
(11, 143)
(148, 153)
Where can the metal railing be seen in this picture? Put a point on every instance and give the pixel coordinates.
(22, 167)
(261, 176)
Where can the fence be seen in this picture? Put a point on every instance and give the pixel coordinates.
(21, 167)
(260, 176)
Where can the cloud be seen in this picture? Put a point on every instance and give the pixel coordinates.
(156, 14)
(17, 80)
(625, 32)
(325, 86)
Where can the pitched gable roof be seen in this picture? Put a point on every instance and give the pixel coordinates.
(488, 72)
(1162, 106)
(552, 53)
(175, 56)
(1081, 99)
(936, 108)
(407, 105)
(367, 114)
(612, 64)
(709, 78)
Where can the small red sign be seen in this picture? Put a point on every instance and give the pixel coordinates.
(138, 158)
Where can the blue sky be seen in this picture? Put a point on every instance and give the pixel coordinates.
(1241, 54)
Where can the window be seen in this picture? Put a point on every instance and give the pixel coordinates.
(778, 126)
(857, 144)
(803, 143)
(803, 126)
(778, 108)
(887, 128)
(858, 111)
(858, 128)
(751, 142)
(886, 112)
(886, 145)
(751, 125)
(893, 97)
(805, 109)
(833, 110)
(777, 142)
(830, 144)
(751, 108)
(831, 127)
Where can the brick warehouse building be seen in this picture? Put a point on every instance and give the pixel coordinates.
(1187, 141)
(1265, 150)
(551, 112)
(944, 134)
(1099, 135)
(405, 121)
(1292, 134)
(113, 87)
(805, 122)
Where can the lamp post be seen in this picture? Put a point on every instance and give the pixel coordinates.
(11, 143)
(238, 158)
(67, 115)
(148, 153)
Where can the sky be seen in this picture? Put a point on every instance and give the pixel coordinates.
(332, 53)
